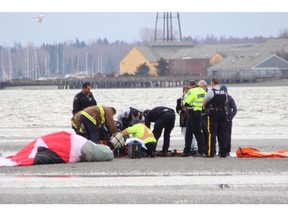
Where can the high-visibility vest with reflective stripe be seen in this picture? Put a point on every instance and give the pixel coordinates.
(76, 124)
(102, 113)
(80, 129)
(194, 98)
(142, 132)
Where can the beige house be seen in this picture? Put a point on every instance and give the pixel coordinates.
(136, 57)
(150, 55)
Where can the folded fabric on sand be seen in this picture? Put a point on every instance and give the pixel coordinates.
(59, 147)
(248, 152)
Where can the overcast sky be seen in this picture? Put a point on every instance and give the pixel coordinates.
(61, 24)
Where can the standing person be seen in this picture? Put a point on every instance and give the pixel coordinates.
(216, 120)
(95, 119)
(125, 116)
(231, 112)
(164, 118)
(193, 101)
(203, 84)
(182, 111)
(84, 98)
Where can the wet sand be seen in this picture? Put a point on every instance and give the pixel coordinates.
(172, 180)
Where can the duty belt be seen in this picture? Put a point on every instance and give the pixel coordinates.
(192, 109)
(217, 108)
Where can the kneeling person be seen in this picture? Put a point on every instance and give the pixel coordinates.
(142, 132)
(95, 119)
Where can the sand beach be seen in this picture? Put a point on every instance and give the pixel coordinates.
(171, 180)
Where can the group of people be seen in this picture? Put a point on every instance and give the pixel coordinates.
(205, 116)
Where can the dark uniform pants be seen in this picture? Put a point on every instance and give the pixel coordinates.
(151, 148)
(204, 130)
(228, 135)
(166, 122)
(194, 127)
(217, 128)
(93, 131)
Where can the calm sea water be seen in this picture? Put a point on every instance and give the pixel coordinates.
(27, 113)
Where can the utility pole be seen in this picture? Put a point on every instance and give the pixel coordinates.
(2, 65)
(10, 65)
(63, 63)
(37, 69)
(27, 64)
(57, 64)
(78, 63)
(86, 61)
(45, 65)
(100, 67)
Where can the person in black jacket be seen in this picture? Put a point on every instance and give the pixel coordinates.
(164, 118)
(83, 99)
(215, 104)
(231, 108)
(183, 117)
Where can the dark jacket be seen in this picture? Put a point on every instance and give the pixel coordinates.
(81, 101)
(181, 110)
(231, 108)
(156, 113)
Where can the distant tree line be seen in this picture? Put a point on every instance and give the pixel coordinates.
(94, 57)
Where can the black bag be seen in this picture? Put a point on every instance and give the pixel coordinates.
(134, 150)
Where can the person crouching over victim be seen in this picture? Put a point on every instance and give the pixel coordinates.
(126, 116)
(96, 118)
(142, 132)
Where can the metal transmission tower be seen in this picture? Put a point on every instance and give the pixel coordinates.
(168, 32)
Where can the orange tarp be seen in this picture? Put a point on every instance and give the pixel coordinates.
(248, 152)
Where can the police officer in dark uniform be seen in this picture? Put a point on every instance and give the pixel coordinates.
(83, 99)
(193, 100)
(164, 118)
(216, 118)
(203, 84)
(231, 112)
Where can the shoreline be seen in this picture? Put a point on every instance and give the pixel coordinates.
(171, 180)
(278, 82)
(270, 83)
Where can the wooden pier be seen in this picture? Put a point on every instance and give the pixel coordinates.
(102, 82)
(117, 82)
(77, 84)
(3, 84)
